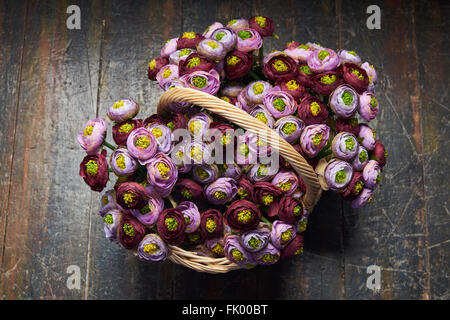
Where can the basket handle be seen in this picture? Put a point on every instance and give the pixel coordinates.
(247, 122)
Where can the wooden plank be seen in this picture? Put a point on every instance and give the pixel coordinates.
(49, 204)
(391, 232)
(433, 51)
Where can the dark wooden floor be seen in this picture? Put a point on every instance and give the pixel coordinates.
(52, 80)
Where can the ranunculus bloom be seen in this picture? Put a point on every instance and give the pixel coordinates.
(163, 136)
(295, 247)
(122, 163)
(290, 209)
(123, 110)
(289, 128)
(326, 82)
(267, 256)
(208, 82)
(221, 191)
(242, 215)
(107, 202)
(131, 195)
(235, 252)
(245, 189)
(349, 125)
(368, 106)
(211, 224)
(248, 40)
(211, 28)
(121, 131)
(261, 113)
(149, 214)
(131, 232)
(280, 67)
(371, 73)
(356, 77)
(305, 76)
(262, 24)
(216, 246)
(166, 74)
(265, 193)
(195, 62)
(282, 233)
(212, 49)
(312, 111)
(371, 174)
(169, 47)
(237, 64)
(237, 24)
(323, 60)
(345, 146)
(256, 90)
(92, 136)
(94, 170)
(191, 215)
(111, 221)
(367, 136)
(189, 40)
(279, 103)
(255, 240)
(379, 154)
(162, 174)
(199, 124)
(171, 226)
(338, 174)
(297, 51)
(261, 172)
(154, 66)
(226, 36)
(354, 187)
(293, 87)
(313, 139)
(180, 55)
(361, 158)
(205, 174)
(287, 181)
(196, 152)
(142, 145)
(302, 223)
(230, 170)
(344, 101)
(363, 198)
(152, 248)
(349, 57)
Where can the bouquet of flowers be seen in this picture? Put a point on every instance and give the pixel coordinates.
(193, 180)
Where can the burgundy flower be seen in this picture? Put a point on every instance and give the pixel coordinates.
(188, 190)
(245, 189)
(194, 62)
(312, 111)
(242, 215)
(354, 187)
(131, 195)
(171, 226)
(295, 247)
(211, 224)
(290, 209)
(326, 82)
(189, 40)
(349, 125)
(193, 239)
(280, 67)
(122, 130)
(379, 153)
(131, 232)
(262, 24)
(94, 170)
(177, 120)
(265, 193)
(237, 64)
(293, 87)
(356, 77)
(154, 66)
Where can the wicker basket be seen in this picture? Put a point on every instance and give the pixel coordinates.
(247, 122)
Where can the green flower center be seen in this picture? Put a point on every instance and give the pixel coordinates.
(171, 125)
(305, 69)
(201, 173)
(231, 22)
(358, 74)
(88, 130)
(279, 104)
(258, 88)
(317, 139)
(297, 210)
(328, 79)
(226, 139)
(286, 236)
(302, 226)
(242, 193)
(125, 128)
(244, 34)
(171, 224)
(233, 60)
(303, 46)
(286, 186)
(358, 186)
(193, 62)
(340, 176)
(350, 143)
(378, 179)
(289, 128)
(199, 82)
(261, 117)
(220, 195)
(262, 171)
(267, 199)
(142, 142)
(323, 54)
(145, 209)
(261, 21)
(347, 98)
(245, 216)
(279, 65)
(363, 156)
(267, 258)
(184, 52)
(243, 149)
(120, 161)
(129, 197)
(353, 53)
(237, 255)
(193, 238)
(298, 251)
(150, 248)
(373, 102)
(254, 242)
(315, 108)
(210, 225)
(186, 194)
(129, 230)
(92, 167)
(108, 219)
(219, 36)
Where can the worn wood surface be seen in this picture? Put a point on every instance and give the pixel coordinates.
(54, 79)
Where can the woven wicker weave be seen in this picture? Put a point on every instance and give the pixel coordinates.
(247, 122)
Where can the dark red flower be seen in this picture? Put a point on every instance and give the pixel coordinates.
(355, 77)
(176, 120)
(194, 62)
(305, 75)
(171, 226)
(280, 67)
(237, 64)
(94, 170)
(189, 40)
(265, 193)
(293, 87)
(290, 209)
(211, 224)
(154, 118)
(131, 231)
(154, 66)
(326, 82)
(349, 125)
(295, 247)
(379, 153)
(245, 189)
(262, 24)
(312, 111)
(131, 195)
(242, 215)
(189, 190)
(354, 188)
(122, 130)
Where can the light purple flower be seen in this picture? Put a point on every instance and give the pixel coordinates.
(248, 40)
(122, 163)
(180, 55)
(349, 57)
(322, 60)
(167, 73)
(313, 139)
(371, 174)
(344, 101)
(179, 106)
(111, 223)
(163, 136)
(221, 191)
(237, 24)
(210, 30)
(92, 136)
(256, 90)
(364, 197)
(289, 128)
(279, 103)
(370, 72)
(141, 144)
(261, 113)
(261, 172)
(267, 256)
(191, 215)
(208, 82)
(287, 181)
(231, 170)
(162, 174)
(235, 252)
(282, 233)
(361, 159)
(368, 106)
(338, 174)
(149, 214)
(123, 110)
(169, 47)
(367, 136)
(226, 36)
(206, 173)
(107, 202)
(198, 124)
(255, 240)
(152, 248)
(242, 103)
(345, 146)
(211, 49)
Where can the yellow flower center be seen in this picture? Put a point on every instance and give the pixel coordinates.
(88, 130)
(279, 65)
(120, 161)
(171, 224)
(292, 85)
(201, 173)
(237, 255)
(245, 216)
(167, 72)
(163, 169)
(212, 44)
(315, 108)
(267, 199)
(125, 128)
(196, 154)
(92, 167)
(220, 195)
(217, 249)
(150, 248)
(261, 117)
(233, 60)
(261, 21)
(118, 104)
(129, 197)
(286, 236)
(210, 225)
(142, 142)
(152, 64)
(189, 35)
(258, 88)
(195, 126)
(129, 230)
(286, 186)
(193, 62)
(157, 132)
(317, 139)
